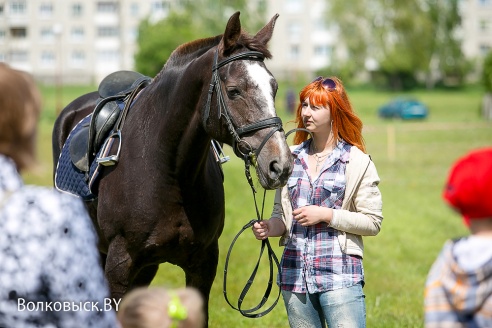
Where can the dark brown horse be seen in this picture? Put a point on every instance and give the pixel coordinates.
(164, 200)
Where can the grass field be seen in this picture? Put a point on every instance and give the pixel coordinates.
(412, 159)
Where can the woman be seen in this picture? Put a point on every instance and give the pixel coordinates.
(330, 201)
(50, 273)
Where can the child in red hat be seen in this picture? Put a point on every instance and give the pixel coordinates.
(459, 286)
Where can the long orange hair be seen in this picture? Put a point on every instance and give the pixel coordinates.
(346, 124)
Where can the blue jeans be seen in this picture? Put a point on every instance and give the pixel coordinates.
(338, 308)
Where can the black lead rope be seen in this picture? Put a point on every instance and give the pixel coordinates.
(272, 257)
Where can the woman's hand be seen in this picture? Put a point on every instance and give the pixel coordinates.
(312, 214)
(274, 227)
(261, 229)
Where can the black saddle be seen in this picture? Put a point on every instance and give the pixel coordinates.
(113, 90)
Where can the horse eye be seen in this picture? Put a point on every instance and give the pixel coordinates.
(233, 93)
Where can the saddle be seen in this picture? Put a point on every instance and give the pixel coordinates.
(116, 92)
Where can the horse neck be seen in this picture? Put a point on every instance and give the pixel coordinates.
(176, 99)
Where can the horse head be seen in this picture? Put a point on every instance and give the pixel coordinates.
(240, 107)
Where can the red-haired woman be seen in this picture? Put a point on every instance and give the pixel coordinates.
(331, 200)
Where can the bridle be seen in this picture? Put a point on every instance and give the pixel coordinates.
(239, 132)
(249, 159)
(275, 123)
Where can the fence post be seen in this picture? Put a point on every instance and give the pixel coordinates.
(391, 142)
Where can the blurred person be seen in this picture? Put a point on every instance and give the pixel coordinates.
(331, 200)
(50, 272)
(458, 290)
(158, 307)
(291, 101)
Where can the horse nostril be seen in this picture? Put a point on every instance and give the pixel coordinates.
(275, 170)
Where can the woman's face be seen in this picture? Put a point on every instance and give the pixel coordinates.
(315, 118)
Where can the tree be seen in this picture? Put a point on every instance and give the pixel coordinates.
(404, 37)
(188, 21)
(156, 41)
(487, 83)
(487, 73)
(448, 57)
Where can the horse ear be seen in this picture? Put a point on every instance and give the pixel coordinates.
(231, 35)
(265, 34)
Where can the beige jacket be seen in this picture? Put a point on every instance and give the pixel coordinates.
(361, 212)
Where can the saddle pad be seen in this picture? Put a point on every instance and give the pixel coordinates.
(68, 178)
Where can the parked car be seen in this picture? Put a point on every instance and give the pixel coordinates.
(405, 109)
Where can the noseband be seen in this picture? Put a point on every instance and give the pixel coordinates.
(239, 132)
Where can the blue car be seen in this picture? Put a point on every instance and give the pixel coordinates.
(405, 109)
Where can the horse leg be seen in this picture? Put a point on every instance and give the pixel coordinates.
(118, 267)
(201, 271)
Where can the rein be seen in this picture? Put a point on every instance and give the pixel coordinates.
(249, 159)
(272, 257)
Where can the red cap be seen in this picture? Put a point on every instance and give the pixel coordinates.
(469, 185)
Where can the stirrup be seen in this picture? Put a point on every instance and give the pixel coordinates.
(219, 153)
(106, 148)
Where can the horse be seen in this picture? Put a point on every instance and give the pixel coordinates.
(164, 199)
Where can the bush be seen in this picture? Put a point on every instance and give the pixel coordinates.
(487, 72)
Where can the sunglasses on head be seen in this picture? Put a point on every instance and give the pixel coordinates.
(328, 84)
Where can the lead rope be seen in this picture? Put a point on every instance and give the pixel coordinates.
(272, 257)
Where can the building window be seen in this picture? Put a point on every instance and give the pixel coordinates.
(107, 31)
(1, 9)
(18, 7)
(18, 32)
(133, 33)
(78, 58)
(484, 25)
(18, 56)
(294, 29)
(46, 9)
(77, 10)
(294, 52)
(321, 51)
(77, 33)
(47, 33)
(134, 9)
(48, 58)
(3, 34)
(485, 49)
(293, 6)
(160, 6)
(108, 56)
(107, 7)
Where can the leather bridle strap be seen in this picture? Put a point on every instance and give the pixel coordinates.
(223, 111)
(274, 122)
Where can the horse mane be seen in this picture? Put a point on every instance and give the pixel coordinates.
(193, 49)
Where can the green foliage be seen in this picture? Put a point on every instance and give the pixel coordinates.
(158, 40)
(405, 37)
(487, 72)
(189, 21)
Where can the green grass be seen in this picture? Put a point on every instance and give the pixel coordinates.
(416, 221)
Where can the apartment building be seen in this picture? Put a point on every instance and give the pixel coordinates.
(477, 27)
(81, 41)
(73, 41)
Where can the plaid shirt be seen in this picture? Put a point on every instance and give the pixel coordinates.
(456, 296)
(313, 260)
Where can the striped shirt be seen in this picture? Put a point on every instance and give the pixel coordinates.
(313, 260)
